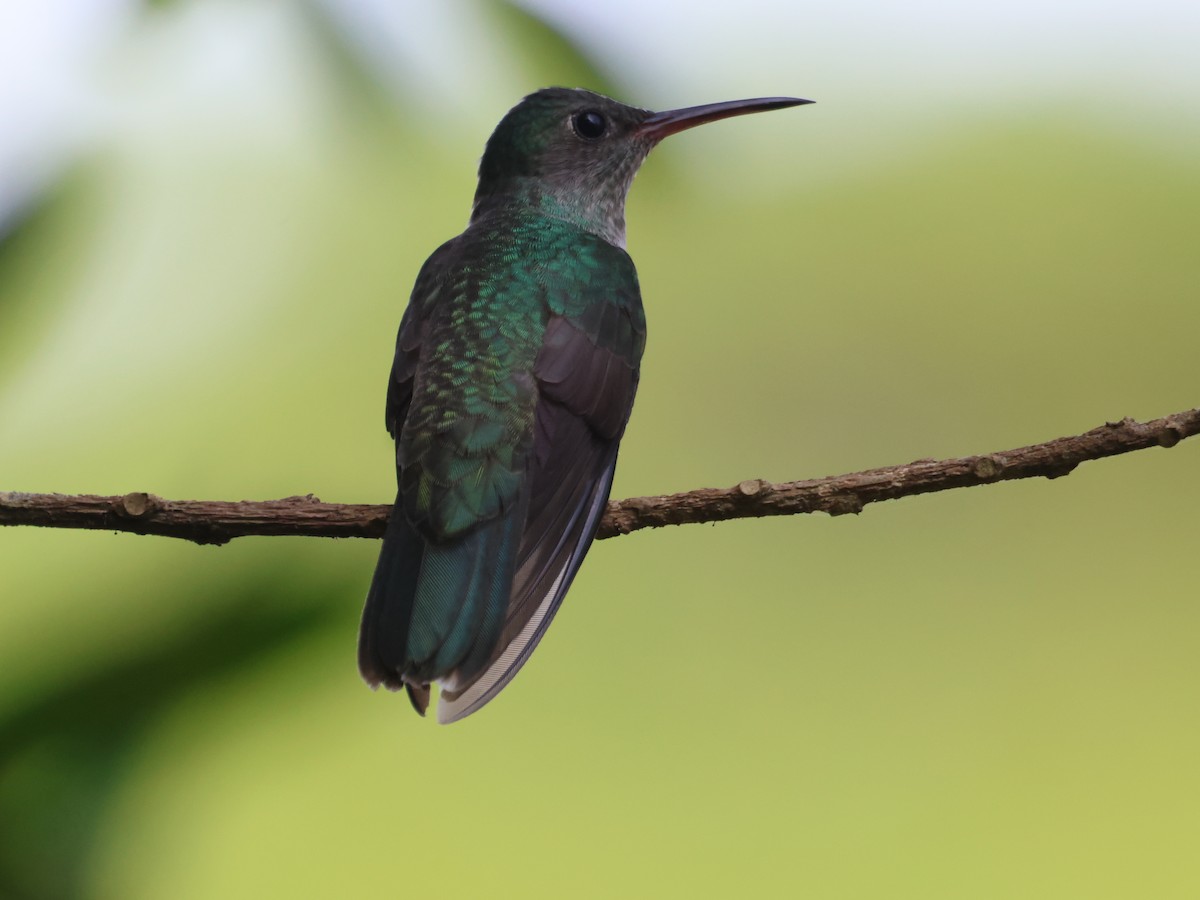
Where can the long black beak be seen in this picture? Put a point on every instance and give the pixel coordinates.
(662, 124)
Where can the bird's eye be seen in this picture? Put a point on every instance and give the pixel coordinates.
(589, 124)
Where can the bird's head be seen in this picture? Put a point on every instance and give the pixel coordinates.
(574, 152)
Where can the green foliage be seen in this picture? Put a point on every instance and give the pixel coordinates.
(547, 55)
(66, 749)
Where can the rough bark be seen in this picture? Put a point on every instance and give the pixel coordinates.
(217, 521)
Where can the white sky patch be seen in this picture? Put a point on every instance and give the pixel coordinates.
(881, 72)
(48, 51)
(934, 48)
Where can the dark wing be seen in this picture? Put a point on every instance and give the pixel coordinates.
(413, 325)
(383, 636)
(587, 374)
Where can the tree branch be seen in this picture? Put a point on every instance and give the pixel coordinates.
(217, 522)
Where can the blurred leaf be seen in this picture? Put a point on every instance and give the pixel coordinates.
(548, 56)
(63, 752)
(39, 249)
(24, 228)
(352, 72)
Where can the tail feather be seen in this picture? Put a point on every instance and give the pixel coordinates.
(465, 696)
(435, 610)
(465, 585)
(418, 696)
(383, 637)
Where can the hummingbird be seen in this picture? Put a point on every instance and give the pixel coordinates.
(516, 366)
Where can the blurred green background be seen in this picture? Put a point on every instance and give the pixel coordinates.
(983, 235)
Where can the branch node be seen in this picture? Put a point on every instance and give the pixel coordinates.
(1170, 436)
(137, 505)
(844, 504)
(988, 467)
(752, 487)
